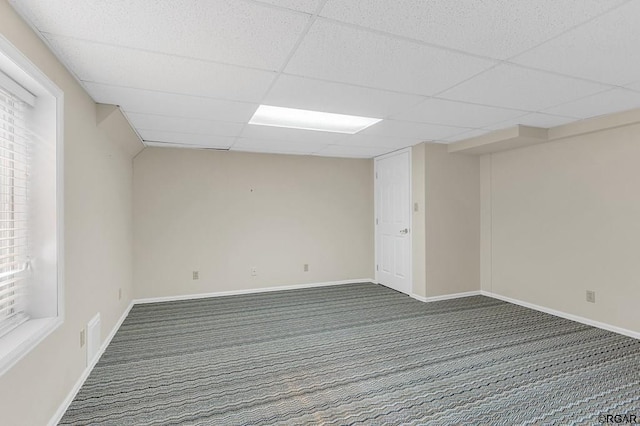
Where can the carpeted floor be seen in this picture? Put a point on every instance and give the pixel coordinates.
(356, 354)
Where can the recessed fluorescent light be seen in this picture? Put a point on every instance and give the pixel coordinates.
(310, 120)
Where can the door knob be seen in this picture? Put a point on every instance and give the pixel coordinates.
(404, 231)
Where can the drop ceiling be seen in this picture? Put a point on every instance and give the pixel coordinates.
(191, 73)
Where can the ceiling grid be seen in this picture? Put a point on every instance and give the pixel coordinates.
(191, 73)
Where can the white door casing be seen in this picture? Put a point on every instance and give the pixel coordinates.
(393, 220)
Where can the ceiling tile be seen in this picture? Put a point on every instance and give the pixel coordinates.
(230, 31)
(180, 145)
(353, 151)
(494, 28)
(510, 86)
(253, 131)
(307, 6)
(535, 119)
(277, 146)
(150, 102)
(380, 141)
(608, 102)
(605, 49)
(132, 68)
(450, 113)
(338, 53)
(208, 141)
(184, 125)
(305, 93)
(467, 135)
(166, 63)
(407, 129)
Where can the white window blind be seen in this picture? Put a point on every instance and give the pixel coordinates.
(14, 191)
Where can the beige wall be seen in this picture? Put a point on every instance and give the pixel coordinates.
(222, 213)
(452, 221)
(418, 221)
(98, 257)
(564, 217)
(485, 223)
(446, 227)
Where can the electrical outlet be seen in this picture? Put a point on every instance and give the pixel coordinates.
(119, 294)
(306, 267)
(416, 207)
(82, 338)
(254, 271)
(196, 275)
(591, 296)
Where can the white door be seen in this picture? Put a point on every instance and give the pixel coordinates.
(393, 220)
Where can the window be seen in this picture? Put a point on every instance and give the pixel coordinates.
(31, 249)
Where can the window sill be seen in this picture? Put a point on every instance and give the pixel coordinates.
(20, 341)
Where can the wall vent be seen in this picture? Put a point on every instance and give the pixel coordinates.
(93, 338)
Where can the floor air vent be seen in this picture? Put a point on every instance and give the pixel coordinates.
(93, 338)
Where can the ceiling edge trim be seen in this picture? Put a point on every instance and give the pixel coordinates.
(520, 136)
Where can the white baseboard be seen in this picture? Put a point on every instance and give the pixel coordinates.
(417, 297)
(74, 391)
(445, 296)
(247, 291)
(582, 320)
(576, 318)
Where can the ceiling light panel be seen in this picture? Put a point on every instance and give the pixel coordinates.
(335, 52)
(509, 86)
(152, 102)
(229, 31)
(451, 113)
(493, 28)
(318, 95)
(605, 49)
(133, 68)
(267, 115)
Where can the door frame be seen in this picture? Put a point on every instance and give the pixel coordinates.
(375, 214)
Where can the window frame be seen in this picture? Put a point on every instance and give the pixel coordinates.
(17, 343)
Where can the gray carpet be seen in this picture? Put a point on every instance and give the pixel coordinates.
(356, 354)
